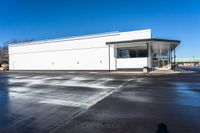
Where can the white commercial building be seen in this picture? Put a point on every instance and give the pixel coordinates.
(109, 51)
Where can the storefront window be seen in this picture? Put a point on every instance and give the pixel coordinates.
(131, 53)
(142, 53)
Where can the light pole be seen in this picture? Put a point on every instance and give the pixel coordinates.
(193, 60)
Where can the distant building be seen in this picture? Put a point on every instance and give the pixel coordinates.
(109, 51)
(188, 62)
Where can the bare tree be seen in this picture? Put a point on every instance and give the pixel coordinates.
(15, 41)
(4, 49)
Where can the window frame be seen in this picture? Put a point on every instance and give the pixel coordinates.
(121, 53)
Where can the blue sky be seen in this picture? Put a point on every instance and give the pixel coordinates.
(44, 19)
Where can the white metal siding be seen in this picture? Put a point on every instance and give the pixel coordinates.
(85, 53)
(82, 59)
(131, 63)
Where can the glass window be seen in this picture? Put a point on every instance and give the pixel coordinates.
(123, 54)
(142, 53)
(131, 53)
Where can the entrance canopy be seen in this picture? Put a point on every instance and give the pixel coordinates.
(142, 42)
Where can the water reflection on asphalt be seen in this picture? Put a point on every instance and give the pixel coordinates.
(188, 93)
(41, 102)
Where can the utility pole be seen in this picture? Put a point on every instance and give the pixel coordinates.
(193, 60)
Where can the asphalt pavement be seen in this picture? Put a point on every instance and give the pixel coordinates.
(99, 102)
(150, 104)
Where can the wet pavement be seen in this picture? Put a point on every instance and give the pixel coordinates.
(42, 102)
(152, 104)
(75, 102)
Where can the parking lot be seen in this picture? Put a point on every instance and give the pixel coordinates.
(98, 102)
(42, 102)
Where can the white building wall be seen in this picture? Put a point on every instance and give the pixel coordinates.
(80, 53)
(86, 59)
(131, 63)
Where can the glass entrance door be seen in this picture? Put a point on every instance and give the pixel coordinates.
(161, 63)
(161, 56)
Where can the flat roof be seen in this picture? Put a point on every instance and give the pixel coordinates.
(67, 38)
(146, 41)
(114, 33)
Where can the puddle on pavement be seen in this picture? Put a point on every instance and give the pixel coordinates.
(188, 93)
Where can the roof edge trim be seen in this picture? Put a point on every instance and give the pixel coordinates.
(145, 40)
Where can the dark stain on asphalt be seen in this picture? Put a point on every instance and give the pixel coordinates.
(162, 128)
